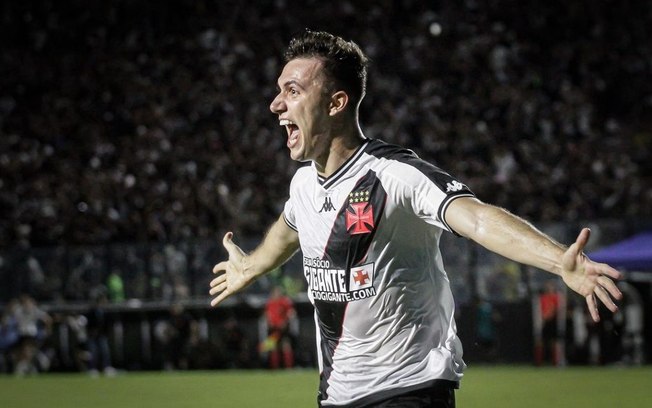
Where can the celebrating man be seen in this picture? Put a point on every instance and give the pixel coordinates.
(368, 217)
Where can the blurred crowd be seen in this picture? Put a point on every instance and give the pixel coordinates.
(132, 121)
(98, 337)
(133, 134)
(25, 331)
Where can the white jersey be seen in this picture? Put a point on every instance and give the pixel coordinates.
(369, 234)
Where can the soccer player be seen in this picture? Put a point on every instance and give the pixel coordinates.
(368, 217)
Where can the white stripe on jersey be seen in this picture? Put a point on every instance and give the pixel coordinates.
(369, 235)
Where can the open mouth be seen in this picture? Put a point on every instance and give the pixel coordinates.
(293, 132)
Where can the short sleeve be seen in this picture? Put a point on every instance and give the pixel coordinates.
(435, 193)
(288, 214)
(427, 190)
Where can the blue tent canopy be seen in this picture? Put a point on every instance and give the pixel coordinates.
(632, 254)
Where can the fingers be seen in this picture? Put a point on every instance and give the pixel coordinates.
(571, 256)
(605, 298)
(593, 307)
(598, 276)
(576, 248)
(582, 239)
(219, 287)
(234, 251)
(605, 290)
(220, 266)
(220, 298)
(611, 272)
(227, 240)
(224, 286)
(610, 287)
(217, 281)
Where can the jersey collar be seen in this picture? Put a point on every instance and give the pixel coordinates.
(327, 182)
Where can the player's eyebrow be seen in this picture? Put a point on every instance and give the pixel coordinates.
(288, 83)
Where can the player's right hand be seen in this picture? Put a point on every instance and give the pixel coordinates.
(231, 274)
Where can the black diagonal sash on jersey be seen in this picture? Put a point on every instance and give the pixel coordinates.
(351, 235)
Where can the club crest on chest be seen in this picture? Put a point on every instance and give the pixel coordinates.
(359, 213)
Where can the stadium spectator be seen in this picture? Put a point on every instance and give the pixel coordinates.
(115, 287)
(98, 331)
(9, 336)
(368, 217)
(577, 333)
(547, 349)
(280, 329)
(632, 336)
(237, 348)
(34, 328)
(175, 335)
(203, 354)
(486, 320)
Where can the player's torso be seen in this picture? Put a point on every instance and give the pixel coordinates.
(338, 224)
(356, 239)
(369, 237)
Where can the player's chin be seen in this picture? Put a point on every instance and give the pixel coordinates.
(297, 154)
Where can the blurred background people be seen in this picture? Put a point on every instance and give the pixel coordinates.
(487, 317)
(174, 336)
(280, 326)
(237, 345)
(98, 331)
(547, 347)
(126, 140)
(9, 336)
(34, 327)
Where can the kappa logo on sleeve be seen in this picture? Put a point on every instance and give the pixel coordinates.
(454, 186)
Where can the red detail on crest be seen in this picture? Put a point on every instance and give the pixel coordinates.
(360, 277)
(361, 219)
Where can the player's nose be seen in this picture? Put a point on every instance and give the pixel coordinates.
(277, 106)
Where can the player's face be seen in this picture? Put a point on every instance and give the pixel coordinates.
(302, 106)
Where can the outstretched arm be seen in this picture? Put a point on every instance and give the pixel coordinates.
(241, 269)
(512, 237)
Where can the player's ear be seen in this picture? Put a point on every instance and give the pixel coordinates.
(339, 100)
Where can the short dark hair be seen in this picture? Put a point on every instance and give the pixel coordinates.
(343, 60)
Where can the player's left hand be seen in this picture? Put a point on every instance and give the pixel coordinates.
(588, 278)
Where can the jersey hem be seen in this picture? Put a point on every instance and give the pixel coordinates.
(395, 392)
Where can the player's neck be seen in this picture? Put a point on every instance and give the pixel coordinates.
(341, 149)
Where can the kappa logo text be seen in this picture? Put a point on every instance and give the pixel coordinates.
(454, 186)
